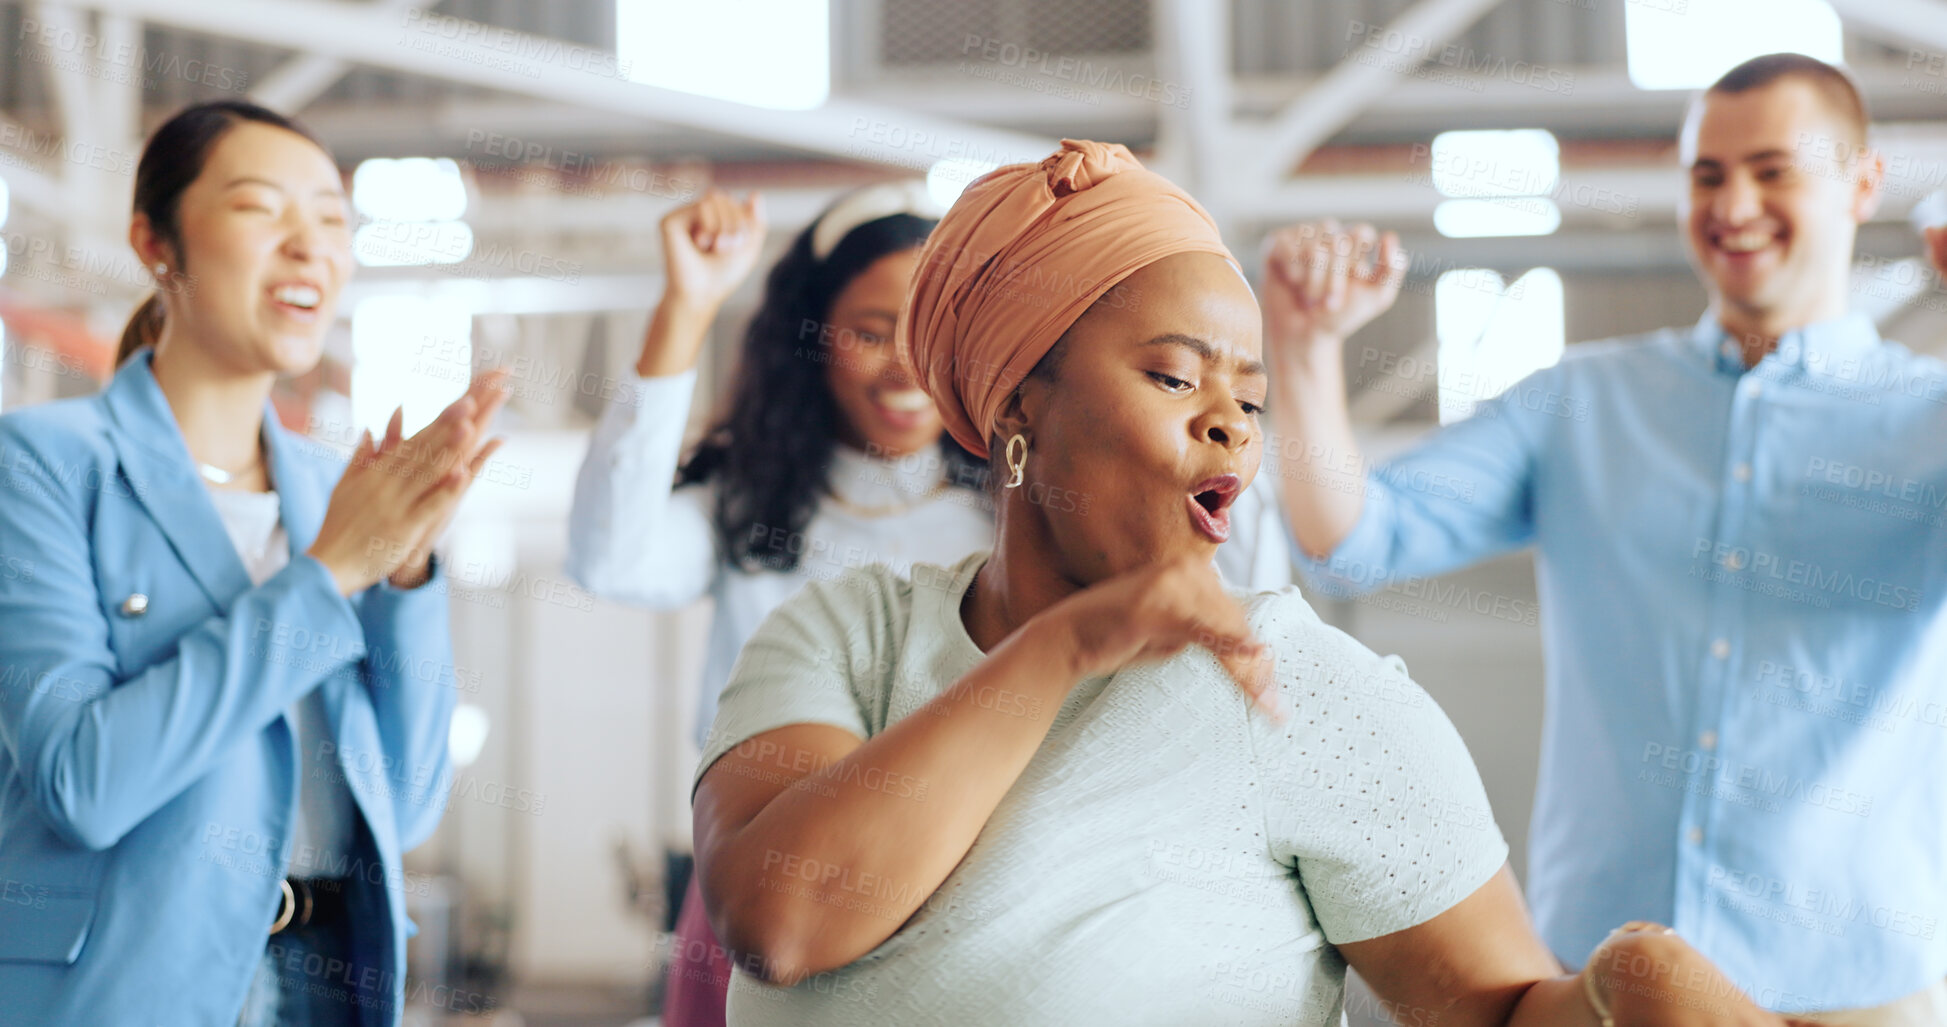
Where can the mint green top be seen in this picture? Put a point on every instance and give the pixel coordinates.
(1167, 856)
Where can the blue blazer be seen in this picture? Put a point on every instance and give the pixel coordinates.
(148, 769)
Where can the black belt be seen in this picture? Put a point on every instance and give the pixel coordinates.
(312, 900)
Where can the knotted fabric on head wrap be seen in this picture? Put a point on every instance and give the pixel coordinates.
(1020, 256)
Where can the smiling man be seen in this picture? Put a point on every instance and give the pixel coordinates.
(1741, 535)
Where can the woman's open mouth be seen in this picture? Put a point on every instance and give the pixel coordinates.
(1210, 503)
(298, 300)
(903, 409)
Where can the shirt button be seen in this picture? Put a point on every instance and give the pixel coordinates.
(1696, 835)
(135, 605)
(1728, 348)
(1735, 561)
(1707, 740)
(1742, 472)
(1752, 389)
(1721, 648)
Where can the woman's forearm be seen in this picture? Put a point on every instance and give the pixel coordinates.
(1556, 1002)
(98, 755)
(1320, 472)
(833, 865)
(410, 678)
(675, 335)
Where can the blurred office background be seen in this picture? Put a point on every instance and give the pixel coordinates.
(511, 159)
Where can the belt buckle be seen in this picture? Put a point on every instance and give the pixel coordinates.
(287, 909)
(288, 912)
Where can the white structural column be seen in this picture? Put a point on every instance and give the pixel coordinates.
(458, 50)
(93, 71)
(1193, 141)
(35, 187)
(1363, 76)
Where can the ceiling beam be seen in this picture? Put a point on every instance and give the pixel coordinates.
(1618, 195)
(291, 86)
(1915, 26)
(1372, 65)
(458, 50)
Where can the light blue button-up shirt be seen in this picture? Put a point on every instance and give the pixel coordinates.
(1741, 576)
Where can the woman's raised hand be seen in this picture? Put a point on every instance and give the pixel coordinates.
(1157, 611)
(711, 245)
(1322, 282)
(398, 494)
(709, 248)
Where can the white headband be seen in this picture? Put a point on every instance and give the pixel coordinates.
(870, 204)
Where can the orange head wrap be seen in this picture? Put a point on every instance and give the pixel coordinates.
(1021, 255)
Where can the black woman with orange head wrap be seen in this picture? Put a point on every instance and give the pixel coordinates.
(1076, 780)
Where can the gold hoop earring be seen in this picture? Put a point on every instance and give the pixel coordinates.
(1016, 458)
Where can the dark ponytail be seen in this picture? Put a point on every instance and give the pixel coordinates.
(142, 330)
(172, 159)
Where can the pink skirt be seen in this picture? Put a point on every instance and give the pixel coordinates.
(699, 968)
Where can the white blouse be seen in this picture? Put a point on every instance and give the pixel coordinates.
(321, 840)
(634, 538)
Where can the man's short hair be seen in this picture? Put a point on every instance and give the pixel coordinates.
(1834, 86)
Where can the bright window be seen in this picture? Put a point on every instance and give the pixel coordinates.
(1688, 44)
(409, 189)
(948, 178)
(1493, 334)
(411, 243)
(765, 53)
(415, 204)
(1514, 215)
(414, 351)
(1500, 182)
(1514, 162)
(467, 734)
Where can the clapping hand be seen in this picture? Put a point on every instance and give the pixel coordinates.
(398, 494)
